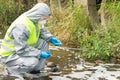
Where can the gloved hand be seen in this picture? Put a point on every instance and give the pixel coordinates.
(45, 54)
(55, 41)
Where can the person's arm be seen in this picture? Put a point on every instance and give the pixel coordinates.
(20, 35)
(45, 34)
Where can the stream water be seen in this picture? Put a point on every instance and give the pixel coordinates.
(72, 67)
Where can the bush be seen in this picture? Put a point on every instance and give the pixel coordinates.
(74, 27)
(103, 43)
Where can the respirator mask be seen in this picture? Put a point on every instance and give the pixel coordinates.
(43, 22)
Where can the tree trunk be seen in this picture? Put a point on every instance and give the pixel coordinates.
(59, 4)
(19, 6)
(93, 13)
(102, 13)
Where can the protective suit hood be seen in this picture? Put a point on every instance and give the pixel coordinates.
(39, 11)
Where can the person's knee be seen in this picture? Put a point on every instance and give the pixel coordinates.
(24, 64)
(27, 62)
(32, 63)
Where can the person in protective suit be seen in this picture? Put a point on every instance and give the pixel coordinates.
(25, 46)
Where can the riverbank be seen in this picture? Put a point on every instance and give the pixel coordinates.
(72, 67)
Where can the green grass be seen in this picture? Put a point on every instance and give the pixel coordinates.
(101, 43)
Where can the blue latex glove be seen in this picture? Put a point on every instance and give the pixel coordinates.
(55, 41)
(45, 54)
